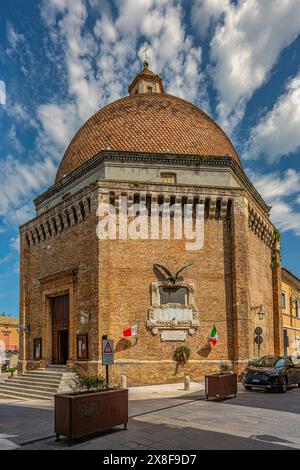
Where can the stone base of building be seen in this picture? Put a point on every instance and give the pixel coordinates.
(146, 372)
(163, 372)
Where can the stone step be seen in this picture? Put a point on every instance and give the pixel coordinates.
(50, 374)
(56, 375)
(37, 384)
(24, 397)
(42, 388)
(62, 368)
(30, 393)
(27, 380)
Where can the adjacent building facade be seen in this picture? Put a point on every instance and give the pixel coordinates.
(291, 313)
(9, 334)
(153, 149)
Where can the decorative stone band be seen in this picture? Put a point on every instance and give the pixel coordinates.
(260, 227)
(57, 221)
(165, 361)
(194, 161)
(216, 207)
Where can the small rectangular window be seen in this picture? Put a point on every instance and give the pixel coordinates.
(168, 178)
(149, 90)
(283, 300)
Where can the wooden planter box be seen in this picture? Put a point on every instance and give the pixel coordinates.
(82, 415)
(220, 385)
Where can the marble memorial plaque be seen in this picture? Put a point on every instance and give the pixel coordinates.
(173, 335)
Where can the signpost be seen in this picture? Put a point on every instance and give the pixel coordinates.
(258, 337)
(108, 356)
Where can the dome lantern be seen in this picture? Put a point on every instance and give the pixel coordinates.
(146, 82)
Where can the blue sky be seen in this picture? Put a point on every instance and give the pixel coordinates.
(61, 60)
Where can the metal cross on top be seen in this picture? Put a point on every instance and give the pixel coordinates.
(146, 57)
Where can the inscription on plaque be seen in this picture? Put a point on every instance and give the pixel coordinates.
(173, 335)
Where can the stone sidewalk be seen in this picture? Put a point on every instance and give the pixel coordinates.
(166, 417)
(15, 415)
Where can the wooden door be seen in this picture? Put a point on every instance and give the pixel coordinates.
(60, 327)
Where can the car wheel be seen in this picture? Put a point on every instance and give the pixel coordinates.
(247, 387)
(284, 385)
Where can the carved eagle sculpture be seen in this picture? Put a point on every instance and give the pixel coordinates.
(168, 275)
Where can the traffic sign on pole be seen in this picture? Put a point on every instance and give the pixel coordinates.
(108, 352)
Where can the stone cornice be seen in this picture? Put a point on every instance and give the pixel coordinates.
(291, 279)
(196, 161)
(67, 274)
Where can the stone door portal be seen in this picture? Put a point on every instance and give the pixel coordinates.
(60, 329)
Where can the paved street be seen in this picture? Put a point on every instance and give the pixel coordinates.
(169, 418)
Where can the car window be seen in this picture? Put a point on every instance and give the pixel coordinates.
(267, 361)
(280, 363)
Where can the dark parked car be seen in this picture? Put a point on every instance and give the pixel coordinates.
(272, 372)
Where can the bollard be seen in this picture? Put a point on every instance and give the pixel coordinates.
(187, 383)
(123, 381)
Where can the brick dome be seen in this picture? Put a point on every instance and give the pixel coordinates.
(150, 123)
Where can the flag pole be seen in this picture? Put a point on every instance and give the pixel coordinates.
(137, 336)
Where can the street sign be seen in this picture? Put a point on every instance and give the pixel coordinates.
(258, 331)
(258, 340)
(108, 352)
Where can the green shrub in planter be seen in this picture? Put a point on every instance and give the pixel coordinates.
(225, 368)
(12, 370)
(87, 383)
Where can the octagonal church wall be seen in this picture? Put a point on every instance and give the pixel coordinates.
(110, 283)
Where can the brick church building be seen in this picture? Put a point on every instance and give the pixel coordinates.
(150, 147)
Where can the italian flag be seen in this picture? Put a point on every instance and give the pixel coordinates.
(133, 331)
(213, 339)
(183, 357)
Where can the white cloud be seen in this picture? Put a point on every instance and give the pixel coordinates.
(206, 13)
(59, 122)
(14, 140)
(18, 182)
(15, 243)
(20, 114)
(101, 61)
(286, 218)
(280, 191)
(246, 45)
(14, 38)
(2, 93)
(277, 133)
(273, 185)
(101, 66)
(5, 259)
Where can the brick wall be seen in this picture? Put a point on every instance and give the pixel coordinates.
(110, 281)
